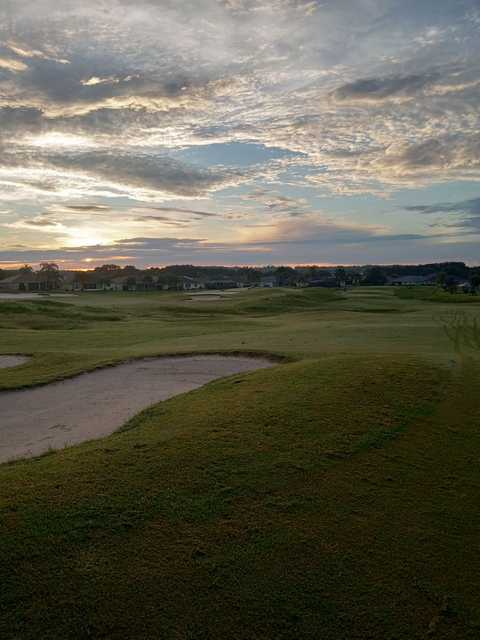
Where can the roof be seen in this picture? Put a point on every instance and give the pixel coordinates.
(21, 277)
(413, 279)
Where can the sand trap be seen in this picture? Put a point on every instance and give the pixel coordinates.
(12, 361)
(96, 404)
(34, 296)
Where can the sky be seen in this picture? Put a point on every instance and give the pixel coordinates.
(239, 132)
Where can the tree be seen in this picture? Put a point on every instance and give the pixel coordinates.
(475, 282)
(375, 276)
(341, 276)
(450, 284)
(130, 269)
(354, 277)
(50, 275)
(286, 276)
(26, 270)
(253, 276)
(441, 278)
(108, 268)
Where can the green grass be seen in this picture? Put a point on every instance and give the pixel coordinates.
(435, 294)
(334, 496)
(47, 315)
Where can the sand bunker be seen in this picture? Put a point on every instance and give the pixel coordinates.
(12, 361)
(34, 296)
(96, 404)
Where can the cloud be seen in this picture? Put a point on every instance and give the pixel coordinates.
(10, 64)
(461, 215)
(466, 206)
(87, 208)
(102, 102)
(449, 157)
(355, 247)
(382, 89)
(139, 176)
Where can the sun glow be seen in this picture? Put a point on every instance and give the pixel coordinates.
(54, 140)
(85, 237)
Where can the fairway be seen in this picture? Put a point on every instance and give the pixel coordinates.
(332, 495)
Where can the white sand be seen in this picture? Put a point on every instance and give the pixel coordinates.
(96, 404)
(12, 361)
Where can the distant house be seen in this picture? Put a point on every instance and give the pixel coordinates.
(223, 283)
(192, 284)
(71, 281)
(412, 280)
(37, 281)
(123, 283)
(20, 282)
(268, 282)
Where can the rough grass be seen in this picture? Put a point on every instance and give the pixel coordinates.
(435, 294)
(334, 497)
(261, 507)
(50, 314)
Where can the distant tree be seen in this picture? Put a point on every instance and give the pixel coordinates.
(108, 268)
(475, 283)
(83, 278)
(286, 276)
(354, 277)
(252, 276)
(441, 278)
(313, 272)
(130, 269)
(375, 276)
(26, 269)
(450, 284)
(50, 275)
(341, 276)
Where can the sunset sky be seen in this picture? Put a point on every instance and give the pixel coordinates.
(239, 132)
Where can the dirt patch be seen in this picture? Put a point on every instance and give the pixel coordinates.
(12, 361)
(96, 404)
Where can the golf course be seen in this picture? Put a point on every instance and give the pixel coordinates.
(331, 494)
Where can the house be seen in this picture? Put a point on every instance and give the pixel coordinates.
(33, 281)
(71, 281)
(20, 282)
(223, 283)
(123, 283)
(268, 282)
(191, 284)
(412, 280)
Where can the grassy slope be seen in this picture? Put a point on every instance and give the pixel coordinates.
(435, 294)
(335, 497)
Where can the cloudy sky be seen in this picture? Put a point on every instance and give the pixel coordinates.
(239, 131)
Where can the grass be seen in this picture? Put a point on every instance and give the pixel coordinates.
(435, 294)
(334, 496)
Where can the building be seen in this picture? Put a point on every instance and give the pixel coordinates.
(31, 281)
(192, 284)
(412, 280)
(268, 282)
(223, 283)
